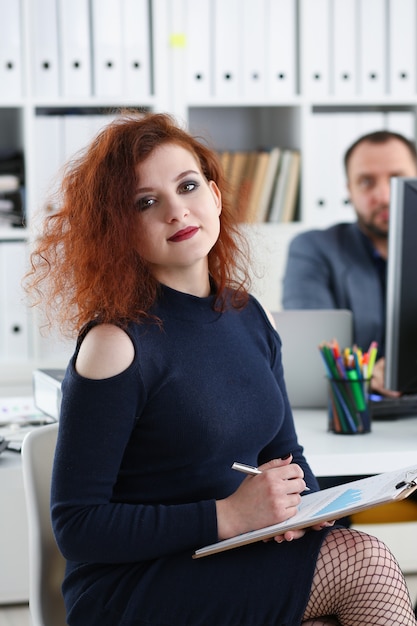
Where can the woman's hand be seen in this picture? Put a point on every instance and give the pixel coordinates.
(377, 380)
(289, 535)
(262, 500)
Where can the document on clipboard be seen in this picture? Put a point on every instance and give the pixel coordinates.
(330, 504)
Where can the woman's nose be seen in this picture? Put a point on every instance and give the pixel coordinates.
(176, 208)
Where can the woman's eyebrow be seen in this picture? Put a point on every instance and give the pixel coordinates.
(175, 179)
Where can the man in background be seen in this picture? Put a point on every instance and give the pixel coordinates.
(345, 266)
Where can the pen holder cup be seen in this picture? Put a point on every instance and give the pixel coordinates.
(348, 406)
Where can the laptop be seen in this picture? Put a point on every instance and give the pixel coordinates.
(301, 333)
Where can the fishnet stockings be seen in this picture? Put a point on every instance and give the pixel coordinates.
(357, 582)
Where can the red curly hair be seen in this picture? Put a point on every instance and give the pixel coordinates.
(85, 265)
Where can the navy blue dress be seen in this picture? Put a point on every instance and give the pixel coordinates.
(141, 458)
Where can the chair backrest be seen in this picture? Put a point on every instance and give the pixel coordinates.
(46, 564)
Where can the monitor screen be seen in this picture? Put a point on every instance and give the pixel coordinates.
(401, 309)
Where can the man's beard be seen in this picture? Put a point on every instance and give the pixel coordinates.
(372, 229)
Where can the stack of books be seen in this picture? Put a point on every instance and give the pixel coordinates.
(264, 183)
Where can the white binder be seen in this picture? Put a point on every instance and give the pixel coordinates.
(14, 315)
(402, 47)
(10, 50)
(198, 48)
(136, 48)
(76, 133)
(48, 146)
(344, 76)
(45, 59)
(319, 179)
(161, 54)
(372, 43)
(74, 48)
(79, 131)
(253, 47)
(369, 122)
(345, 131)
(315, 47)
(227, 49)
(403, 122)
(107, 47)
(281, 48)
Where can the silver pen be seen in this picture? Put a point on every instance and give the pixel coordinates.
(250, 469)
(246, 469)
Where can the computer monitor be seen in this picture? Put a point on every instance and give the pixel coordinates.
(401, 308)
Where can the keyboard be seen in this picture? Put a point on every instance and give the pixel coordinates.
(393, 408)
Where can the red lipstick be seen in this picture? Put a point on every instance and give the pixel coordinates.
(184, 233)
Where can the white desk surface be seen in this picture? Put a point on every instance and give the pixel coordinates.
(390, 445)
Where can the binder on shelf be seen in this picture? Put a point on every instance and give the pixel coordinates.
(49, 147)
(402, 24)
(177, 51)
(370, 121)
(79, 130)
(44, 52)
(281, 48)
(10, 50)
(198, 48)
(403, 122)
(74, 48)
(344, 78)
(107, 48)
(253, 15)
(319, 187)
(344, 131)
(373, 47)
(315, 47)
(227, 49)
(14, 315)
(136, 48)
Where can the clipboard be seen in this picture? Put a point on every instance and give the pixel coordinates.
(329, 504)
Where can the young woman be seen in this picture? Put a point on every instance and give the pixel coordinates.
(176, 374)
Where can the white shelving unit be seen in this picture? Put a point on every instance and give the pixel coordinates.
(244, 74)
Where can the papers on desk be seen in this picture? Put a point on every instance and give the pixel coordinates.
(20, 411)
(330, 504)
(18, 416)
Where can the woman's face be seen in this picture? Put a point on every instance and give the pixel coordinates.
(179, 214)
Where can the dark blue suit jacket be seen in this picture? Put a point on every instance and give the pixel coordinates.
(334, 269)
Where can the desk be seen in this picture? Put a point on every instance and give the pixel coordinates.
(389, 446)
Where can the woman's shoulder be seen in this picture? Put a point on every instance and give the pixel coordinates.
(106, 350)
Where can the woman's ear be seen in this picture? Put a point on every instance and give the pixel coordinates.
(217, 195)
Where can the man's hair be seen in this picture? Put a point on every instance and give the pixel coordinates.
(380, 136)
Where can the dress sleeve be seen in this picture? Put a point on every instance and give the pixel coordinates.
(97, 418)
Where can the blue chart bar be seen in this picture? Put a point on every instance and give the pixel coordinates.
(346, 499)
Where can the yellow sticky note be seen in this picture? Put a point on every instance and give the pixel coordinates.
(177, 40)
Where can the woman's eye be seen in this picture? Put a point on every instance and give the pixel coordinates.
(188, 186)
(144, 203)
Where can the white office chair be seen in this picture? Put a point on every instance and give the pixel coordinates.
(46, 564)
